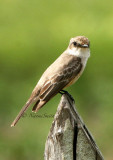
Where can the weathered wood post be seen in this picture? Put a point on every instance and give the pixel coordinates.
(69, 138)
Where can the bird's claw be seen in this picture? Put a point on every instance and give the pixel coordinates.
(66, 92)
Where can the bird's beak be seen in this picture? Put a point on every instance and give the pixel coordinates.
(85, 46)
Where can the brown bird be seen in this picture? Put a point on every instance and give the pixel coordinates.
(62, 73)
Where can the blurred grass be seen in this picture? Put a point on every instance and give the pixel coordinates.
(32, 35)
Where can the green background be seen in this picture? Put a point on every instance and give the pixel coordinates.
(33, 33)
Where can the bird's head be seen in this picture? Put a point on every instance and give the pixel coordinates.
(80, 45)
(79, 42)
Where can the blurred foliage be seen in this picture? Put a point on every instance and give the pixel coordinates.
(32, 35)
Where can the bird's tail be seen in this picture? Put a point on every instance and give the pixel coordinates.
(35, 106)
(25, 107)
(39, 104)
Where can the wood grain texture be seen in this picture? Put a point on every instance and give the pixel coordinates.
(69, 138)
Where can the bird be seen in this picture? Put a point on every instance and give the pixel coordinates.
(62, 73)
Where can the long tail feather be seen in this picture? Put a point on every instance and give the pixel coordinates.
(25, 107)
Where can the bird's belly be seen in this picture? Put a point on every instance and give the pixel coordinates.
(74, 80)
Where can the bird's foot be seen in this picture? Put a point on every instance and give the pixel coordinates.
(66, 92)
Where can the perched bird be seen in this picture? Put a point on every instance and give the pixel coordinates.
(65, 71)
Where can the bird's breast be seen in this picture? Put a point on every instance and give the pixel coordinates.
(74, 79)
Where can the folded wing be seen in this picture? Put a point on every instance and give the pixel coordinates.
(57, 82)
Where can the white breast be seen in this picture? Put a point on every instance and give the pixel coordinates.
(83, 53)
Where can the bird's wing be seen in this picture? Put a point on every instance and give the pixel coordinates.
(57, 82)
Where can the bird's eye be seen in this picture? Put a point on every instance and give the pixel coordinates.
(75, 43)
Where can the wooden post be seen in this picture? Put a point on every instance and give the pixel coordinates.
(69, 138)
